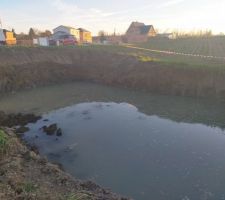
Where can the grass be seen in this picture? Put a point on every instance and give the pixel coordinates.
(209, 46)
(205, 46)
(143, 58)
(29, 187)
(212, 46)
(147, 56)
(3, 142)
(79, 196)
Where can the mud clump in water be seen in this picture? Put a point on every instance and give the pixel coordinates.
(52, 130)
(18, 120)
(10, 120)
(22, 130)
(59, 132)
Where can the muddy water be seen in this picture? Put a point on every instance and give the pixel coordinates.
(140, 145)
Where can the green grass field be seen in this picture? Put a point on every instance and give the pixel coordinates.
(178, 60)
(212, 46)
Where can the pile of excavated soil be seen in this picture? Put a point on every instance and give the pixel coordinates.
(22, 68)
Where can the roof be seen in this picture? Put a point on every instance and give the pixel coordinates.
(83, 30)
(137, 24)
(69, 27)
(5, 30)
(145, 29)
(138, 27)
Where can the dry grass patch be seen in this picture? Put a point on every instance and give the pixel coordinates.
(4, 142)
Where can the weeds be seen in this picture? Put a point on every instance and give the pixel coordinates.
(3, 142)
(79, 196)
(29, 187)
(147, 59)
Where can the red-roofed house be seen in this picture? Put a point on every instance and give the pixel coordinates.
(139, 32)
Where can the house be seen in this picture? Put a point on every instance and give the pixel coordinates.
(61, 31)
(7, 37)
(41, 41)
(2, 37)
(85, 36)
(139, 32)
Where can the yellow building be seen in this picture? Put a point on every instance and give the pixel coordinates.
(85, 36)
(9, 38)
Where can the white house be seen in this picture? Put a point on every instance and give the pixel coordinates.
(41, 41)
(66, 30)
(2, 37)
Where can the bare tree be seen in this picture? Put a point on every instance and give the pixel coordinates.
(31, 34)
(46, 33)
(193, 33)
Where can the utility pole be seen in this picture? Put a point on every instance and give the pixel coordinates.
(0, 23)
(114, 31)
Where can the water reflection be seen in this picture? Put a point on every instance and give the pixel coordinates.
(180, 109)
(137, 154)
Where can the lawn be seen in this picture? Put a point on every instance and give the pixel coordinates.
(213, 46)
(157, 56)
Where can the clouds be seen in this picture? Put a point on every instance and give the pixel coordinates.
(95, 16)
(171, 3)
(97, 19)
(91, 18)
(73, 10)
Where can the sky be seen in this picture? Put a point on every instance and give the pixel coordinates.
(110, 15)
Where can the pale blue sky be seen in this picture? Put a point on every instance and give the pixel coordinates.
(106, 15)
